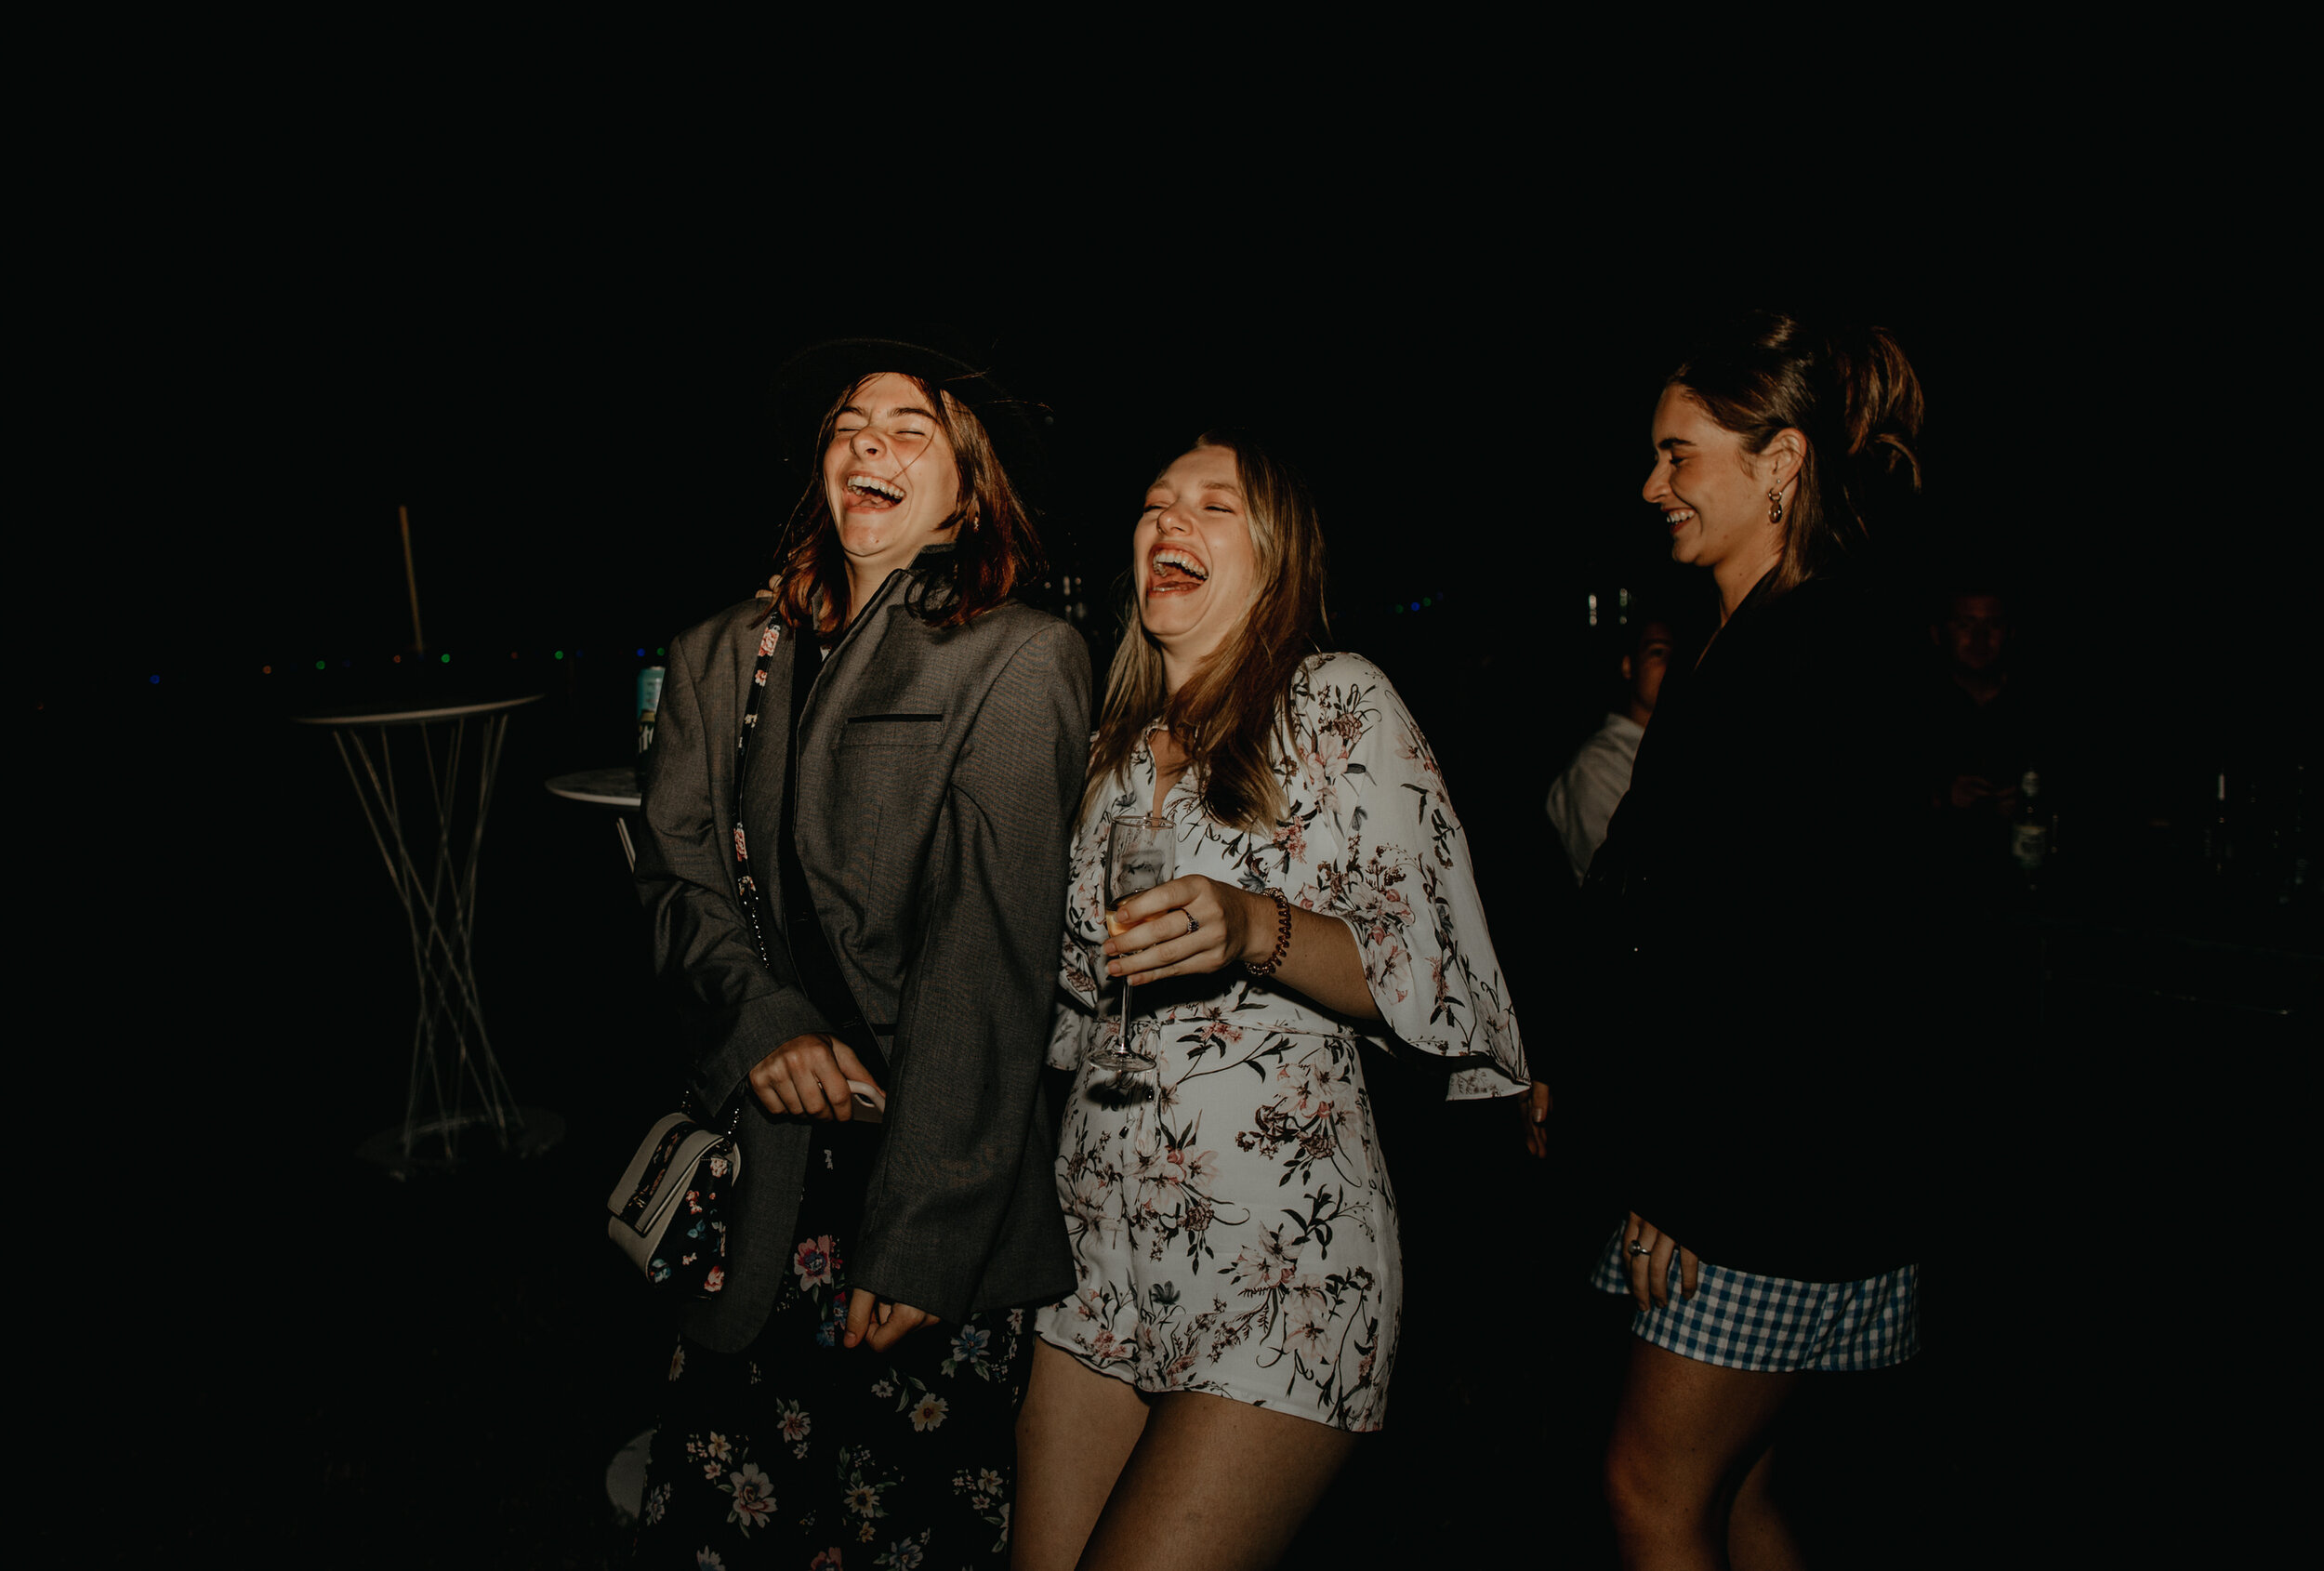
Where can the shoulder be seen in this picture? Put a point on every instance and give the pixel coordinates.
(1344, 692)
(1015, 623)
(732, 625)
(1010, 634)
(1619, 737)
(1345, 676)
(1011, 652)
(1844, 627)
(1833, 603)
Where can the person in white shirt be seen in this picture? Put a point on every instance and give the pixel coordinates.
(1583, 798)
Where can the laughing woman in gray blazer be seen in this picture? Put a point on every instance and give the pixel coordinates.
(857, 812)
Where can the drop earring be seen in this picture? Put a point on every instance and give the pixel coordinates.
(1775, 507)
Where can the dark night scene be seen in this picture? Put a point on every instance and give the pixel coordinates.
(2009, 840)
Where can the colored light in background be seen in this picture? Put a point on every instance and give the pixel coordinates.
(561, 654)
(445, 658)
(153, 679)
(266, 670)
(318, 665)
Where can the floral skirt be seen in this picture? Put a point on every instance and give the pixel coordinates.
(800, 1453)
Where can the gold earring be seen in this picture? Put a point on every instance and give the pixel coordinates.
(1775, 507)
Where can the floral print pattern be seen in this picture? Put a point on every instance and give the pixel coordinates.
(800, 1453)
(1234, 1229)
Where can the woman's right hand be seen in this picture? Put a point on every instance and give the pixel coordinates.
(807, 1076)
(1647, 1250)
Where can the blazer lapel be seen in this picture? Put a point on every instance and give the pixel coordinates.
(843, 670)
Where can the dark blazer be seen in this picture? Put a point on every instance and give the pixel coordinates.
(937, 773)
(1765, 894)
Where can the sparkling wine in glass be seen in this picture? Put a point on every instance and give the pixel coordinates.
(1141, 852)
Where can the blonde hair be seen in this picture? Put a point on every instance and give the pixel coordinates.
(1234, 715)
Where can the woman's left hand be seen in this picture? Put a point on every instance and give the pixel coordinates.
(1186, 926)
(880, 1321)
(1648, 1251)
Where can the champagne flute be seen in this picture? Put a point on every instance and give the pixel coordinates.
(1140, 853)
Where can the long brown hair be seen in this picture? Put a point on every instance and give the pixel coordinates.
(1851, 393)
(994, 551)
(1234, 715)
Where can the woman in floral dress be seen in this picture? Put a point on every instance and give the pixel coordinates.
(1235, 1315)
(826, 910)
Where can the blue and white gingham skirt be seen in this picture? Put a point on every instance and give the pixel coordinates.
(1740, 1321)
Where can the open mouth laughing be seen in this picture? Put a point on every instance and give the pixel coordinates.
(870, 494)
(1172, 570)
(1675, 518)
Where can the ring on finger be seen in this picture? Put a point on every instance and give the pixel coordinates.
(1638, 1248)
(1193, 925)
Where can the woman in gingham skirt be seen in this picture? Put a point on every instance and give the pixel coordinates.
(1757, 897)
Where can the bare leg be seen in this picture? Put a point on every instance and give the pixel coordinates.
(1685, 1436)
(1215, 1485)
(1758, 1537)
(1074, 1433)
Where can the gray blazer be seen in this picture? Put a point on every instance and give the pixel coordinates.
(938, 770)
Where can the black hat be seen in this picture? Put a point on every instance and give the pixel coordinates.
(810, 379)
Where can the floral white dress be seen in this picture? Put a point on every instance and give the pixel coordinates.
(1233, 1230)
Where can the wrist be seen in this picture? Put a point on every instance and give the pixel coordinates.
(1274, 937)
(1258, 928)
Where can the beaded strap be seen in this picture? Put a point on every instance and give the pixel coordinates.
(745, 884)
(1283, 938)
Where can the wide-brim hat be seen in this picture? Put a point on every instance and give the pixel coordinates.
(805, 385)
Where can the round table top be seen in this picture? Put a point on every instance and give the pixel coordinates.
(610, 788)
(400, 713)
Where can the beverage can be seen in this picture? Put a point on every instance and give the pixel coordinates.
(649, 700)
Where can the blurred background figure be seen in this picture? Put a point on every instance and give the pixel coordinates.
(1583, 799)
(1983, 731)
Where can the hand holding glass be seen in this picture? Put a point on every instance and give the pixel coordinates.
(1140, 854)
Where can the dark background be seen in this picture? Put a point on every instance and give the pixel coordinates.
(565, 380)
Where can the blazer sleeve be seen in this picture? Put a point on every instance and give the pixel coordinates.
(734, 1008)
(973, 1023)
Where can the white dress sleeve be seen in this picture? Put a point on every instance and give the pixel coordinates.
(1371, 837)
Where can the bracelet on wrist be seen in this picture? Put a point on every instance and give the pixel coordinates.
(1283, 937)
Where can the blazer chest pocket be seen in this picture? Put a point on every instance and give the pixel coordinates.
(892, 730)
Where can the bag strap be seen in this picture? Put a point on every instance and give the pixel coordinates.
(746, 886)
